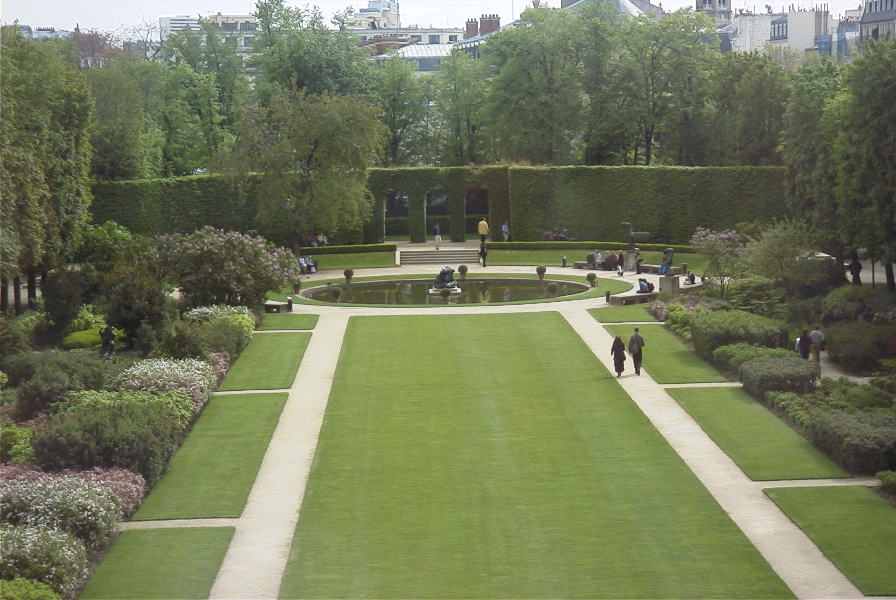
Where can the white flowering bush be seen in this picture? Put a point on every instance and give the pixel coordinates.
(178, 403)
(85, 509)
(207, 313)
(190, 375)
(50, 556)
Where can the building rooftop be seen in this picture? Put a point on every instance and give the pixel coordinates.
(421, 51)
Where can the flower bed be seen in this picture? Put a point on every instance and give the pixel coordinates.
(195, 377)
(49, 556)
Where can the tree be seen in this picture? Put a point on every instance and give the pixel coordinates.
(725, 255)
(459, 94)
(535, 101)
(120, 120)
(315, 151)
(785, 252)
(404, 105)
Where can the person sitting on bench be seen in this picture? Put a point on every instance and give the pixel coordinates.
(644, 286)
(307, 265)
(691, 279)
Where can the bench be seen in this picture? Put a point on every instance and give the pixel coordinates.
(633, 299)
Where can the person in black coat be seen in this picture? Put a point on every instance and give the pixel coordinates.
(618, 352)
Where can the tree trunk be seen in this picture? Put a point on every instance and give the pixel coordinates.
(17, 294)
(891, 281)
(648, 145)
(32, 289)
(4, 295)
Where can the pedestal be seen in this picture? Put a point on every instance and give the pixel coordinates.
(631, 260)
(669, 284)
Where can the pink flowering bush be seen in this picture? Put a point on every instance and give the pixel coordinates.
(127, 487)
(50, 556)
(213, 266)
(192, 376)
(85, 509)
(220, 362)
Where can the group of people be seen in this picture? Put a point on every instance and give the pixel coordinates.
(810, 344)
(635, 349)
(307, 265)
(315, 239)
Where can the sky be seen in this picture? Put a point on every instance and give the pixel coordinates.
(121, 15)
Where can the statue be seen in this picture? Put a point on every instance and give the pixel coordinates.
(666, 267)
(445, 279)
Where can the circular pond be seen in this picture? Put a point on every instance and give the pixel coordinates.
(417, 291)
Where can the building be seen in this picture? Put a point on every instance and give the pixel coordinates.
(426, 58)
(749, 32)
(477, 32)
(238, 30)
(847, 35)
(718, 10)
(878, 20)
(43, 33)
(379, 14)
(380, 41)
(169, 25)
(801, 31)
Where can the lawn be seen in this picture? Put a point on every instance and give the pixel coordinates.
(287, 321)
(667, 358)
(160, 563)
(464, 463)
(551, 258)
(353, 260)
(622, 314)
(854, 527)
(212, 473)
(269, 362)
(761, 444)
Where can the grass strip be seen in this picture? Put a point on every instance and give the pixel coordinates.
(212, 473)
(160, 563)
(352, 260)
(762, 445)
(667, 358)
(287, 321)
(852, 525)
(622, 314)
(464, 463)
(269, 362)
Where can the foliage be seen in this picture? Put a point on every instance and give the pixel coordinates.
(887, 482)
(127, 487)
(13, 340)
(140, 437)
(62, 297)
(4, 379)
(176, 403)
(15, 444)
(853, 302)
(757, 295)
(402, 98)
(26, 589)
(89, 338)
(213, 266)
(87, 318)
(785, 252)
(460, 93)
(712, 329)
(44, 378)
(859, 345)
(84, 509)
(100, 248)
(215, 311)
(193, 377)
(777, 373)
(725, 252)
(52, 557)
(733, 356)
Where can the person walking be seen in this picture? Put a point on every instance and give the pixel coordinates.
(620, 262)
(482, 228)
(505, 231)
(804, 345)
(483, 252)
(618, 354)
(437, 235)
(635, 348)
(855, 269)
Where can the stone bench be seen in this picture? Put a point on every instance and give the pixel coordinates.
(633, 299)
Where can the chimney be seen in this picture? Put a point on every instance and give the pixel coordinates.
(472, 29)
(489, 24)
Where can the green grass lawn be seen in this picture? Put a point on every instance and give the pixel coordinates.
(464, 463)
(854, 527)
(160, 563)
(761, 444)
(269, 362)
(621, 314)
(551, 258)
(667, 358)
(212, 473)
(353, 260)
(287, 321)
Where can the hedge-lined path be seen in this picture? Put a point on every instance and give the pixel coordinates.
(174, 523)
(256, 558)
(788, 550)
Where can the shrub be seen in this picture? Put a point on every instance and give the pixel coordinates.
(87, 318)
(711, 329)
(177, 403)
(12, 339)
(214, 266)
(39, 393)
(209, 313)
(195, 377)
(140, 437)
(757, 295)
(788, 374)
(540, 271)
(887, 482)
(852, 302)
(229, 334)
(127, 487)
(31, 326)
(220, 363)
(87, 510)
(4, 379)
(183, 340)
(659, 309)
(858, 345)
(52, 557)
(733, 356)
(15, 444)
(26, 589)
(86, 367)
(592, 279)
(88, 338)
(62, 297)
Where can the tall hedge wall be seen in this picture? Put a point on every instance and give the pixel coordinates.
(668, 202)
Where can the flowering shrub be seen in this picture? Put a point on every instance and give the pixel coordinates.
(26, 589)
(207, 313)
(214, 266)
(725, 252)
(46, 555)
(178, 403)
(195, 377)
(220, 362)
(85, 509)
(127, 487)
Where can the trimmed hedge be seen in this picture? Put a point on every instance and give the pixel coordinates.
(585, 246)
(712, 329)
(778, 374)
(347, 249)
(858, 345)
(668, 202)
(733, 356)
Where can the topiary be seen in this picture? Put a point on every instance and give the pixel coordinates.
(540, 271)
(592, 279)
(462, 270)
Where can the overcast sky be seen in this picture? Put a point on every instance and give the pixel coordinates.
(119, 15)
